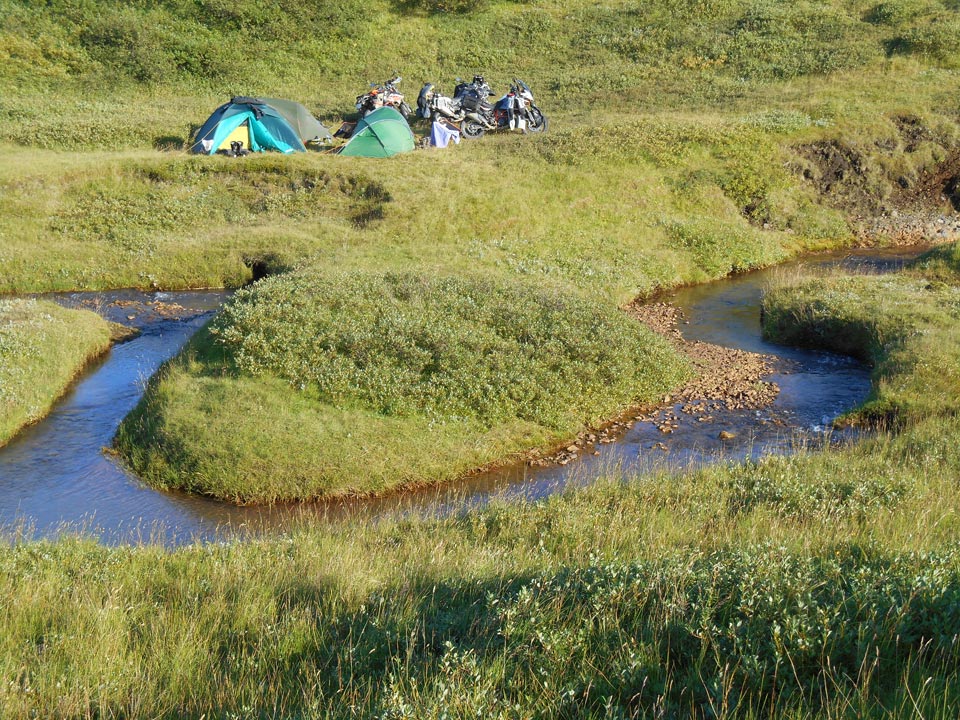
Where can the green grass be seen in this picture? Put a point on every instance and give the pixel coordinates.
(42, 349)
(318, 383)
(739, 589)
(823, 584)
(688, 140)
(905, 326)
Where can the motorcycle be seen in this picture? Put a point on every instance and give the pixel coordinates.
(514, 111)
(383, 95)
(432, 103)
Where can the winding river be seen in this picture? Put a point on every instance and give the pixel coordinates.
(55, 477)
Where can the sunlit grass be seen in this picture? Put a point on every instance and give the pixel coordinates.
(43, 347)
(820, 585)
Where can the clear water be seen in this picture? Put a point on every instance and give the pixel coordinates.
(55, 476)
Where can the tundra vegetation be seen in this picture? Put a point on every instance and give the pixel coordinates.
(42, 349)
(689, 140)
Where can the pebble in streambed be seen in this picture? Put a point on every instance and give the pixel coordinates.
(727, 379)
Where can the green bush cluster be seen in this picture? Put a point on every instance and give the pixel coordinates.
(795, 492)
(446, 347)
(895, 12)
(937, 39)
(171, 41)
(732, 630)
(776, 40)
(581, 51)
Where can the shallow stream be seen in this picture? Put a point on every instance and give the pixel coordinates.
(55, 476)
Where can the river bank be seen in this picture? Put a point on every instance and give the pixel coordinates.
(43, 349)
(94, 493)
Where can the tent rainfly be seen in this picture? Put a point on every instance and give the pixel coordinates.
(307, 126)
(260, 125)
(382, 133)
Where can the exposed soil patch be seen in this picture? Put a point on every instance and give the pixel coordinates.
(839, 173)
(890, 190)
(726, 378)
(912, 132)
(937, 186)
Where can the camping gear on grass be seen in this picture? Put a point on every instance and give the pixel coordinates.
(382, 133)
(260, 125)
(442, 134)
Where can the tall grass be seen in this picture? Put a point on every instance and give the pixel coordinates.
(633, 597)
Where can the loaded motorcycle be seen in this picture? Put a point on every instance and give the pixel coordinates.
(514, 111)
(383, 95)
(432, 103)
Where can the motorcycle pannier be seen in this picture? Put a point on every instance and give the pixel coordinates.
(470, 102)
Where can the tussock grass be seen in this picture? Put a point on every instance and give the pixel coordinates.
(42, 349)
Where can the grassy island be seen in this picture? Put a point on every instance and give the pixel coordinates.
(322, 384)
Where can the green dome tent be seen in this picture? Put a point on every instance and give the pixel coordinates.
(260, 124)
(382, 133)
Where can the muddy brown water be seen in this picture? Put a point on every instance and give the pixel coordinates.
(55, 477)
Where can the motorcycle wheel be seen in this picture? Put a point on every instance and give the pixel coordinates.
(404, 110)
(471, 129)
(538, 121)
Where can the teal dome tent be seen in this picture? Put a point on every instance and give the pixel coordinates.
(259, 126)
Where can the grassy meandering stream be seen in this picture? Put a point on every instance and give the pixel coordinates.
(688, 140)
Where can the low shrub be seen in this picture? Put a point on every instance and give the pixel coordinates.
(894, 12)
(403, 343)
(937, 39)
